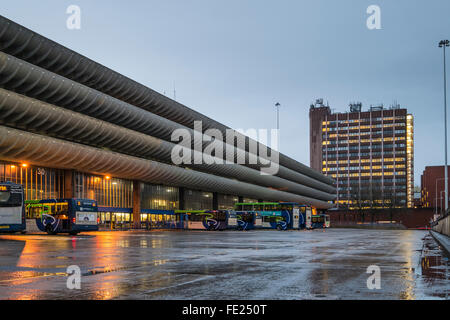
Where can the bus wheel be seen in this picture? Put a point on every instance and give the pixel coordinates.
(279, 227)
(48, 229)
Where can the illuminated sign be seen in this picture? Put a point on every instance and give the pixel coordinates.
(3, 188)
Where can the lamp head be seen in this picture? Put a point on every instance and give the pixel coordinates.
(443, 43)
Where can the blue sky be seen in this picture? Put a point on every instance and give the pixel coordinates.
(233, 60)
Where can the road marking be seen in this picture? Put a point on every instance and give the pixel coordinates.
(180, 284)
(58, 274)
(42, 237)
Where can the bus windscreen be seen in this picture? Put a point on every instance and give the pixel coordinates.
(4, 196)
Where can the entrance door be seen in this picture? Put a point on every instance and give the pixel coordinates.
(296, 218)
(308, 218)
(266, 222)
(258, 220)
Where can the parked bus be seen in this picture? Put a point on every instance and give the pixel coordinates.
(164, 219)
(248, 220)
(300, 215)
(280, 215)
(205, 219)
(232, 219)
(64, 215)
(279, 220)
(12, 209)
(270, 212)
(318, 221)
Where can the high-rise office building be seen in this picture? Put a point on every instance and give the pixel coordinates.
(370, 154)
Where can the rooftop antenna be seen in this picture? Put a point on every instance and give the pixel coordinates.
(396, 104)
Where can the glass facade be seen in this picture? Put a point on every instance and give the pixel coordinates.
(410, 159)
(160, 220)
(370, 155)
(115, 220)
(159, 197)
(226, 202)
(109, 192)
(198, 200)
(38, 183)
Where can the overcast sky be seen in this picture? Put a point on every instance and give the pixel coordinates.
(233, 60)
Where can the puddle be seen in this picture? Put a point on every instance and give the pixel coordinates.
(434, 268)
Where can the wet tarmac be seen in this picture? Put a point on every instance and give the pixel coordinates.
(225, 265)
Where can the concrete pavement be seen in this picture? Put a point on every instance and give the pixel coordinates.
(225, 265)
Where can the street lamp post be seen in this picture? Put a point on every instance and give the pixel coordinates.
(435, 195)
(277, 105)
(278, 114)
(443, 44)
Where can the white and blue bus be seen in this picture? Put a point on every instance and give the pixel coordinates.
(266, 215)
(320, 221)
(64, 215)
(248, 220)
(12, 209)
(276, 215)
(300, 215)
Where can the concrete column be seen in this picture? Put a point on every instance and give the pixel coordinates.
(215, 201)
(136, 204)
(181, 200)
(69, 190)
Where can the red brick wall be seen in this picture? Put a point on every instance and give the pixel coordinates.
(410, 218)
(429, 182)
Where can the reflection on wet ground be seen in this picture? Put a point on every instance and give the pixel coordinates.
(225, 265)
(434, 266)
